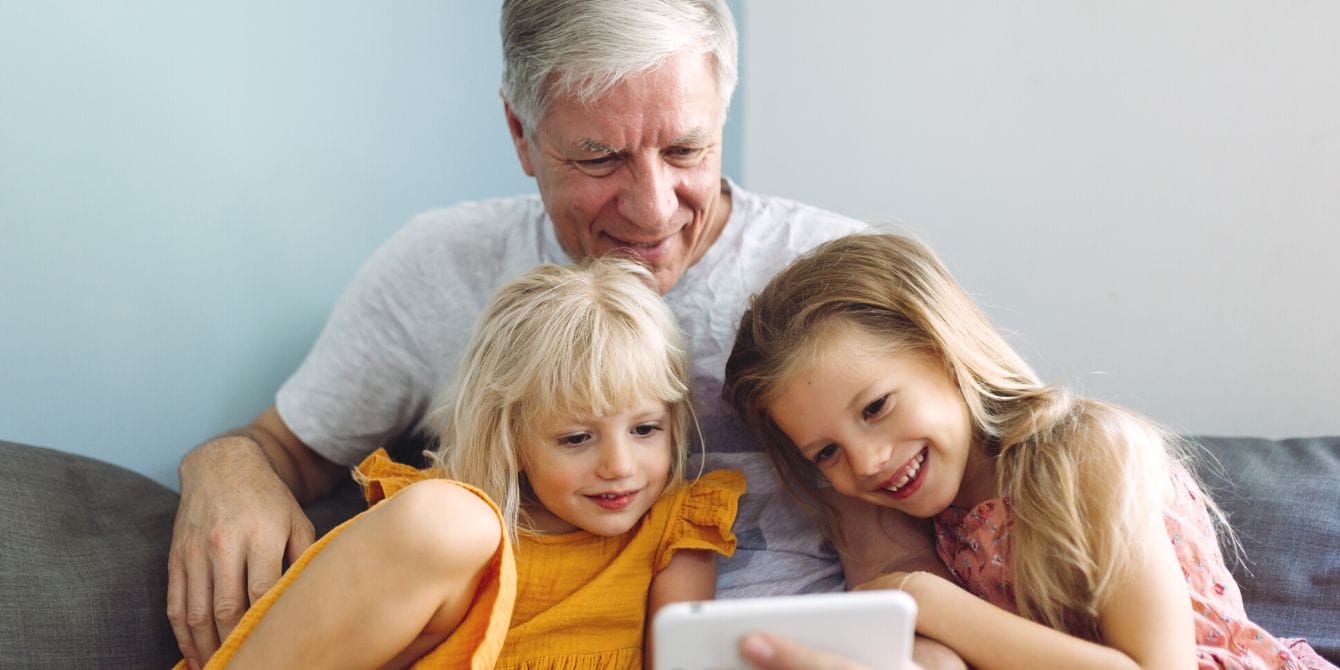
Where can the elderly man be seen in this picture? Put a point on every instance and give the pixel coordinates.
(616, 108)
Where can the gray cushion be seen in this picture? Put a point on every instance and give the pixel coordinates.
(1283, 500)
(83, 561)
(83, 550)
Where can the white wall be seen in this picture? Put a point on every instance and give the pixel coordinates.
(185, 189)
(1146, 194)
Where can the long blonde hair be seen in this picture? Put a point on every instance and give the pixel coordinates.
(1082, 476)
(559, 341)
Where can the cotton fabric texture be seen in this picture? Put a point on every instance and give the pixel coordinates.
(975, 545)
(575, 601)
(401, 328)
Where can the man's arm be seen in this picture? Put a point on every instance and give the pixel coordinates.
(239, 519)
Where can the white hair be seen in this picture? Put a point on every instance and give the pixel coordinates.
(584, 48)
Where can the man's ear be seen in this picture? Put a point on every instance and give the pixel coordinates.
(519, 139)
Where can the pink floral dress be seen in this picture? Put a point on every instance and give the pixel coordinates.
(975, 545)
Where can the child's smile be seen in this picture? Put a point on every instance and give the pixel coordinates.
(907, 479)
(888, 428)
(598, 473)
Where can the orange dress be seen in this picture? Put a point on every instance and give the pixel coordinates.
(975, 546)
(570, 601)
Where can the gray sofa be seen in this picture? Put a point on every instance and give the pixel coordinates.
(83, 550)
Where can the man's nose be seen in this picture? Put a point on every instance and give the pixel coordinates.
(649, 199)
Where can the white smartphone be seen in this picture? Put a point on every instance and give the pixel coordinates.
(871, 627)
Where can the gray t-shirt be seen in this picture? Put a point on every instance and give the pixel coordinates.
(398, 333)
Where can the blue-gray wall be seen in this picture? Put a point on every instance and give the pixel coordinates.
(185, 188)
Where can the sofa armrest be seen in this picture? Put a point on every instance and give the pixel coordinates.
(83, 560)
(83, 563)
(1282, 498)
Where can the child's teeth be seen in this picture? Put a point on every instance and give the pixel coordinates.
(911, 472)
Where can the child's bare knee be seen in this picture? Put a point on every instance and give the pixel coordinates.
(445, 524)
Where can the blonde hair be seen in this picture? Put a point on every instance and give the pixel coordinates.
(1082, 476)
(559, 341)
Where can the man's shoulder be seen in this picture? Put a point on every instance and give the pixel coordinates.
(472, 246)
(458, 237)
(764, 234)
(778, 229)
(476, 219)
(791, 217)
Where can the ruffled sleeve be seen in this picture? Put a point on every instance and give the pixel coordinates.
(382, 477)
(703, 516)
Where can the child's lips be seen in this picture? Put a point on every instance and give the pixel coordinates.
(903, 482)
(614, 500)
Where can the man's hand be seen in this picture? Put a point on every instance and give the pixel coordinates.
(769, 652)
(237, 522)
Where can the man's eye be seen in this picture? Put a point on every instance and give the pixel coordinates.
(684, 155)
(825, 454)
(873, 408)
(598, 166)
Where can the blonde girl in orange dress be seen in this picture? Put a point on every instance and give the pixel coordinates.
(556, 519)
(1073, 534)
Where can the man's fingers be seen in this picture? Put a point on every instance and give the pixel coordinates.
(263, 569)
(301, 536)
(176, 608)
(200, 606)
(230, 595)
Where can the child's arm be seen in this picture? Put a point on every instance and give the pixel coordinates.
(412, 565)
(880, 541)
(690, 575)
(1147, 623)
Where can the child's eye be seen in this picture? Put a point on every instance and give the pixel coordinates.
(825, 454)
(874, 407)
(574, 440)
(646, 429)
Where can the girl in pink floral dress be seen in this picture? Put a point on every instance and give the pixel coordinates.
(1072, 532)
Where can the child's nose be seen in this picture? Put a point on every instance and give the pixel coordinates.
(616, 460)
(868, 458)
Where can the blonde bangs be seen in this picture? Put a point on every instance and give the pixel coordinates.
(599, 364)
(560, 341)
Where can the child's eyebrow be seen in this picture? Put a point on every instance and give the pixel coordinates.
(857, 400)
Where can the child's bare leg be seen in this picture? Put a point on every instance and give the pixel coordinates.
(387, 590)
